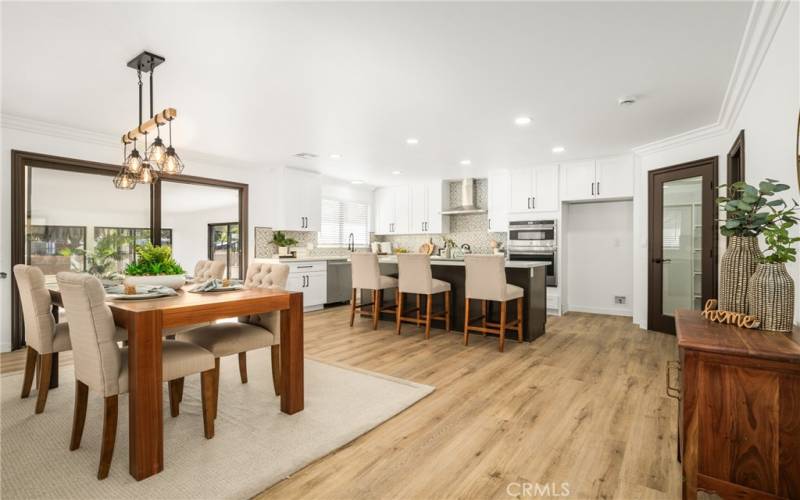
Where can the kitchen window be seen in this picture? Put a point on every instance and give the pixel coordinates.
(340, 219)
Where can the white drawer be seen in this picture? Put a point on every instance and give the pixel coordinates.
(307, 266)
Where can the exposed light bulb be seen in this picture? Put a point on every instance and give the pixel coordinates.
(146, 175)
(134, 162)
(172, 163)
(157, 152)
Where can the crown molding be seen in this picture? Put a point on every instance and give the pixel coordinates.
(762, 24)
(40, 127)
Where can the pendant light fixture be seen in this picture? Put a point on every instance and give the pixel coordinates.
(145, 168)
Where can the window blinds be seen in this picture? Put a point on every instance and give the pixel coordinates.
(339, 219)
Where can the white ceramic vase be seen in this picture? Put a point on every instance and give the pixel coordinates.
(174, 281)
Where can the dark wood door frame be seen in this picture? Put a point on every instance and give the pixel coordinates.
(706, 168)
(22, 160)
(736, 160)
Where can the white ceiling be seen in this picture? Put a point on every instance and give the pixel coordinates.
(260, 82)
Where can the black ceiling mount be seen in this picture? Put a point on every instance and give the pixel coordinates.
(145, 62)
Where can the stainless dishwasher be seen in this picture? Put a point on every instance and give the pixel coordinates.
(340, 281)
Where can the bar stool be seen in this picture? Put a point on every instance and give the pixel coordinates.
(416, 278)
(366, 273)
(486, 281)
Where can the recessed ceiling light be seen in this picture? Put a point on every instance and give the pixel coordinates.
(396, 172)
(335, 156)
(412, 141)
(558, 149)
(465, 162)
(522, 120)
(357, 181)
(626, 101)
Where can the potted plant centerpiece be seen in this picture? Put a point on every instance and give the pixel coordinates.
(748, 211)
(155, 266)
(770, 292)
(283, 243)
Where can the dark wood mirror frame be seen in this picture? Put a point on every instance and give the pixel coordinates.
(797, 148)
(20, 160)
(736, 160)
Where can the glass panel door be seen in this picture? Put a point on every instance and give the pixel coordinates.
(682, 245)
(223, 245)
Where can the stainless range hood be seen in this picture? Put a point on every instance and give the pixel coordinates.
(467, 206)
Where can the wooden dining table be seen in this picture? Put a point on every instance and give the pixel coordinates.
(146, 320)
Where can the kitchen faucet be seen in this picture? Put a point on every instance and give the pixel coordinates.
(351, 243)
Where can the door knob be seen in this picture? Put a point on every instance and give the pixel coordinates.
(661, 261)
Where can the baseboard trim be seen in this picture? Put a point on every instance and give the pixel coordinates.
(5, 347)
(600, 310)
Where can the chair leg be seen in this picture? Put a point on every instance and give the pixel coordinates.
(174, 400)
(419, 312)
(399, 309)
(466, 321)
(376, 307)
(428, 310)
(447, 298)
(179, 390)
(79, 414)
(484, 314)
(216, 387)
(109, 435)
(503, 310)
(243, 367)
(46, 363)
(30, 367)
(352, 307)
(519, 319)
(208, 391)
(275, 353)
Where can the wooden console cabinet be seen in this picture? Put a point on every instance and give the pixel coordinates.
(739, 424)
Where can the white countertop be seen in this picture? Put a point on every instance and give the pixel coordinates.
(308, 258)
(392, 259)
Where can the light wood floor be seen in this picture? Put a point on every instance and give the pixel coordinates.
(583, 405)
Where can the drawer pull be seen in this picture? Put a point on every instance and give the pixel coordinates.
(673, 392)
(304, 267)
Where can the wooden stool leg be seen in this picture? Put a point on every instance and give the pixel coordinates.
(428, 308)
(216, 387)
(207, 390)
(376, 308)
(447, 297)
(109, 435)
(466, 321)
(519, 319)
(275, 353)
(243, 367)
(484, 312)
(79, 415)
(179, 389)
(399, 309)
(352, 307)
(30, 368)
(503, 310)
(46, 364)
(174, 400)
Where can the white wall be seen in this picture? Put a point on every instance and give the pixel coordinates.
(190, 232)
(599, 242)
(769, 119)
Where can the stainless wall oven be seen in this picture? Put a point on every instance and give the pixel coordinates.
(534, 241)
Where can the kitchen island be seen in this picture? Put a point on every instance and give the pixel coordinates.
(530, 276)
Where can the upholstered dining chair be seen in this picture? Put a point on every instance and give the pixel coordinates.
(249, 332)
(416, 277)
(102, 366)
(486, 281)
(42, 334)
(208, 269)
(366, 274)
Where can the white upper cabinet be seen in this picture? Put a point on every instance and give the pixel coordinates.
(392, 210)
(603, 179)
(534, 189)
(402, 216)
(499, 200)
(614, 177)
(414, 209)
(301, 195)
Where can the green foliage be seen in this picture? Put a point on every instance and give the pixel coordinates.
(107, 252)
(280, 239)
(780, 243)
(749, 209)
(154, 261)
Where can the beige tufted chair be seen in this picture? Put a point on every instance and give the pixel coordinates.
(366, 274)
(102, 366)
(42, 334)
(486, 281)
(208, 269)
(416, 277)
(250, 332)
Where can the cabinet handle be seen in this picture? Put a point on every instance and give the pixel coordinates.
(598, 188)
(529, 202)
(673, 392)
(593, 189)
(305, 267)
(533, 202)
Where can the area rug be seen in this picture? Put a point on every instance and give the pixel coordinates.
(254, 447)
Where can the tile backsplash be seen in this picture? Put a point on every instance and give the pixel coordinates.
(470, 229)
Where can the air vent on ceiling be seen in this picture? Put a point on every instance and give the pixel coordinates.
(306, 156)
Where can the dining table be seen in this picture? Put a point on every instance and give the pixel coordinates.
(146, 322)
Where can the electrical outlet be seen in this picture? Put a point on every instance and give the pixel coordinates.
(619, 299)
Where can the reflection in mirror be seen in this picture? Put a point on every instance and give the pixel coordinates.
(80, 222)
(204, 224)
